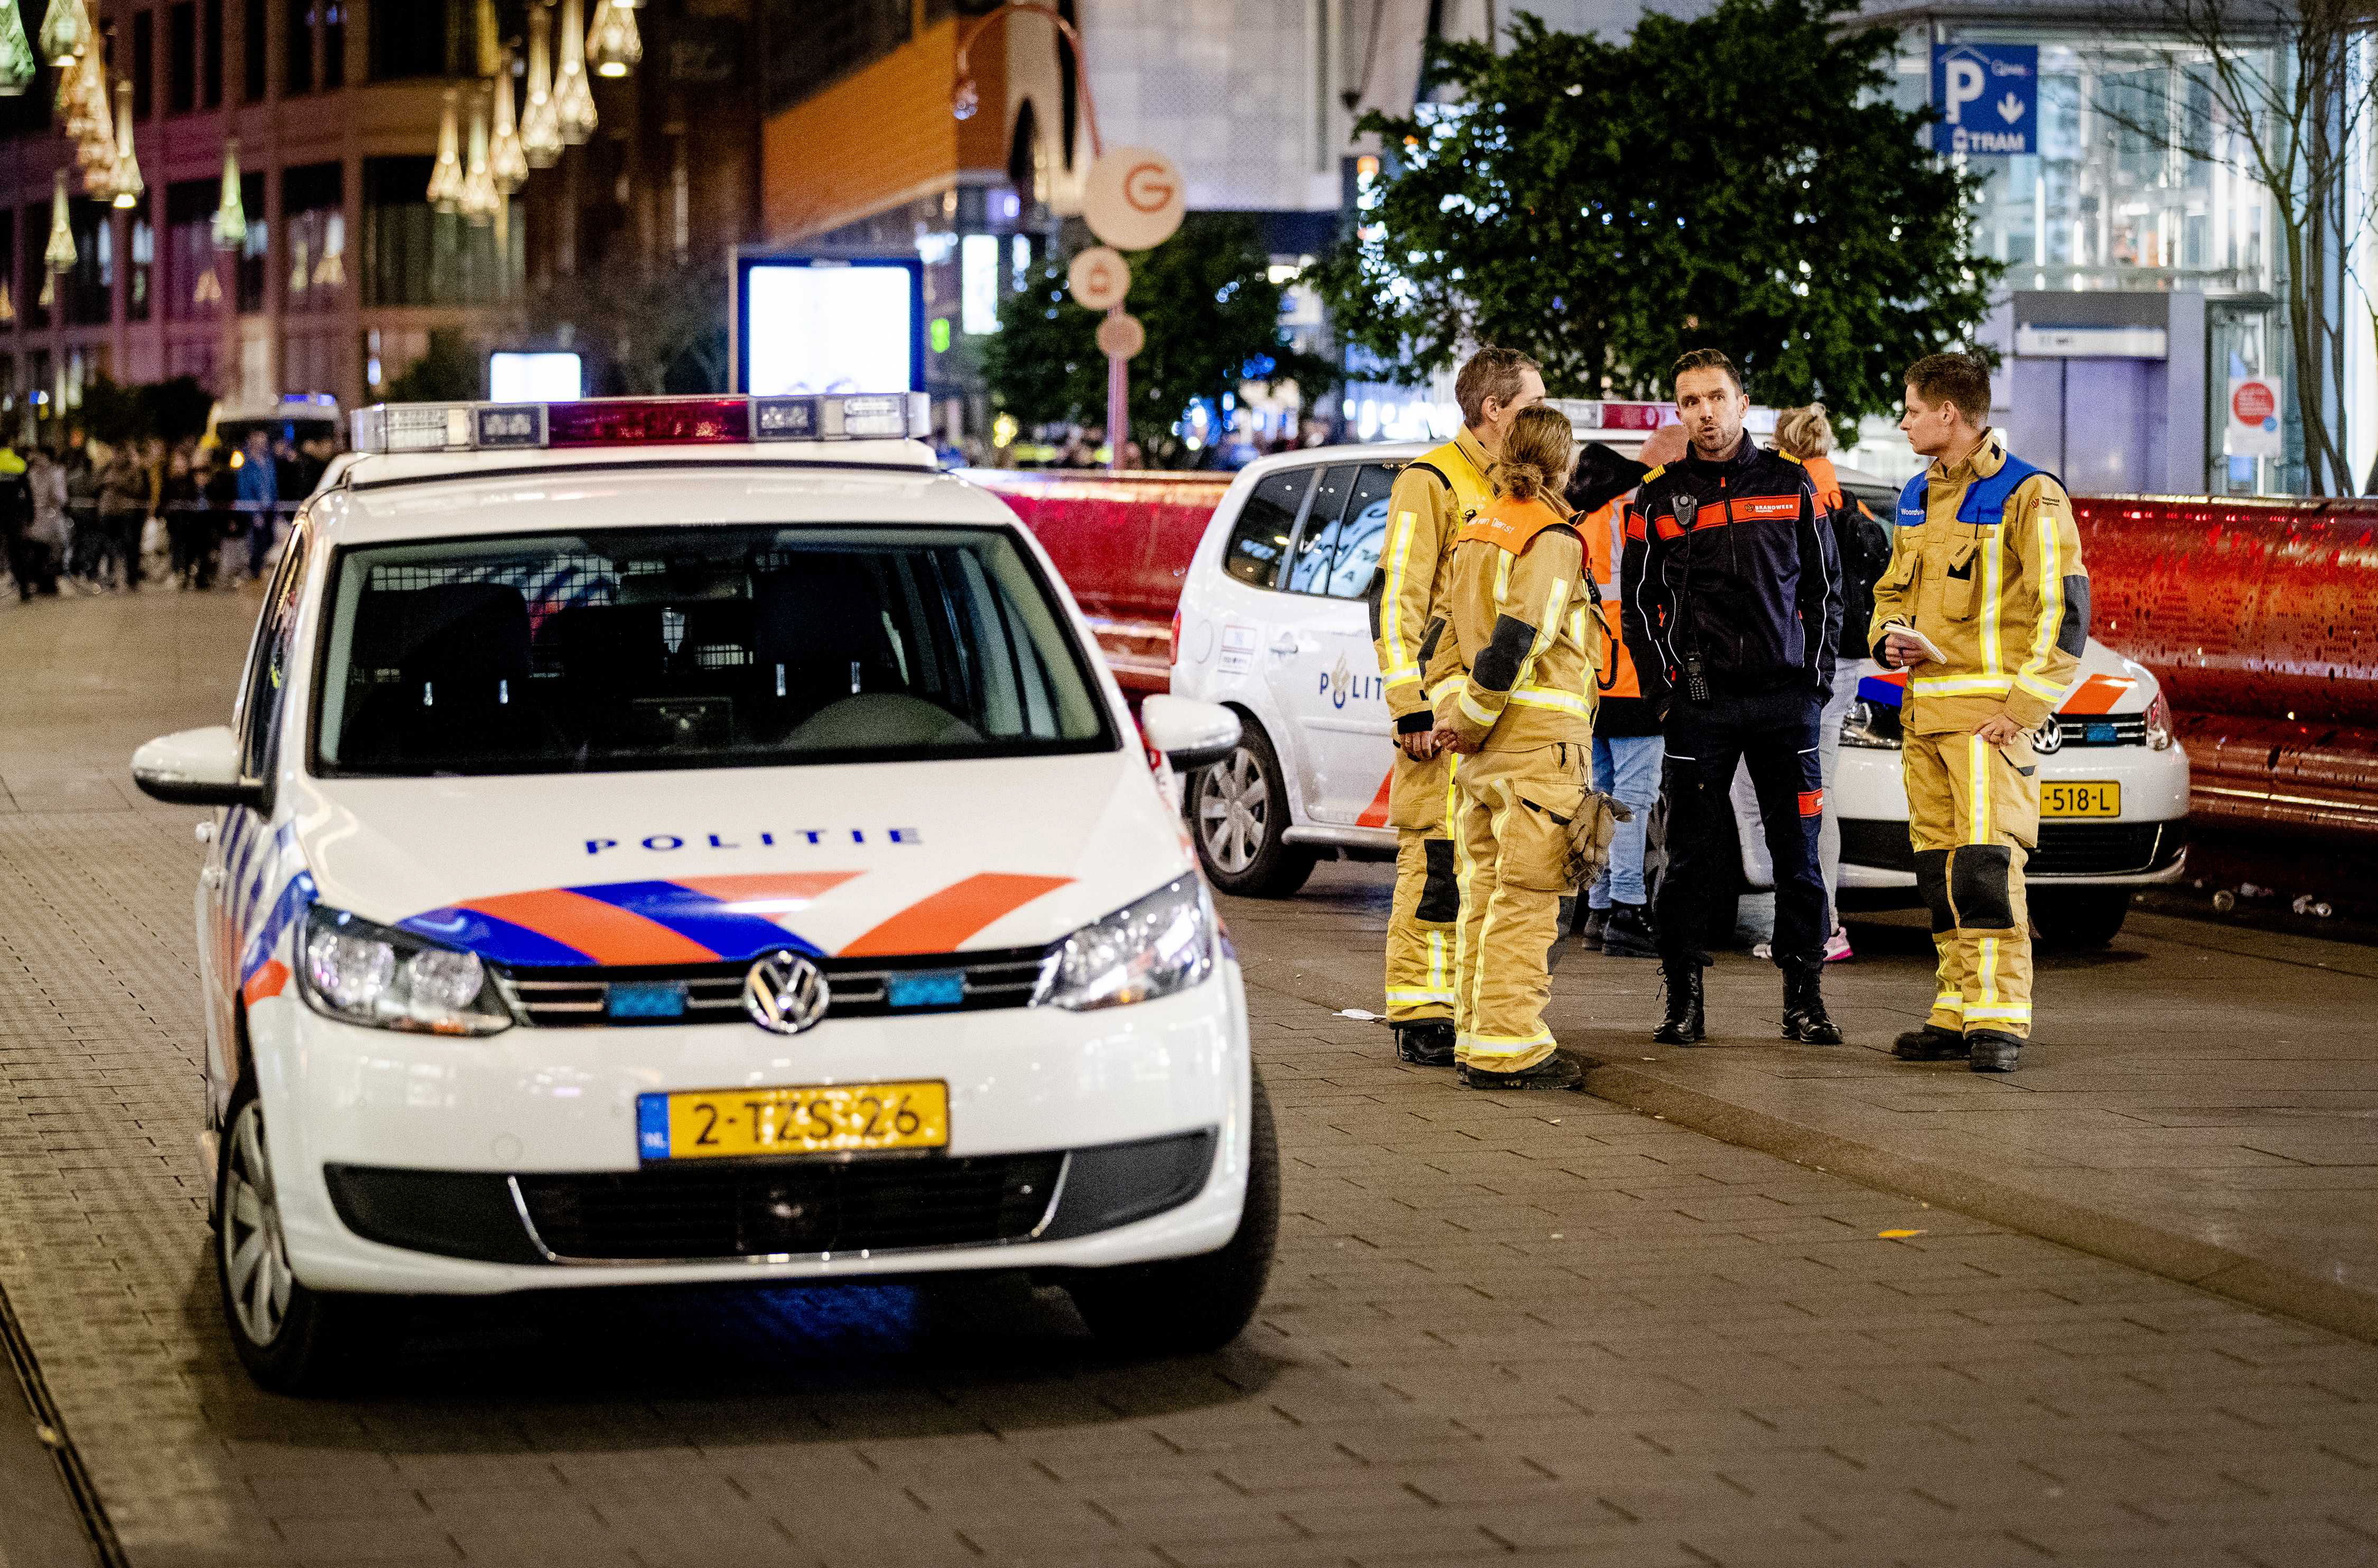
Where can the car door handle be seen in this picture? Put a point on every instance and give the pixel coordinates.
(1286, 644)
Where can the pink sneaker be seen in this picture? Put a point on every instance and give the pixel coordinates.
(1837, 947)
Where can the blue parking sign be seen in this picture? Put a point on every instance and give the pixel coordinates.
(1986, 96)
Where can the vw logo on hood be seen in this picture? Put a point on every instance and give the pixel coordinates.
(784, 993)
(2048, 737)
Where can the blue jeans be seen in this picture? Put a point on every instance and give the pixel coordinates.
(1625, 766)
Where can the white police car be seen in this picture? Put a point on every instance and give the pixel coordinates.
(690, 839)
(1275, 622)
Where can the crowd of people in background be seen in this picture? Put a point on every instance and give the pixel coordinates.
(95, 517)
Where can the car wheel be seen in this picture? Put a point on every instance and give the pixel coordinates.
(1239, 816)
(1188, 1305)
(289, 1337)
(2078, 919)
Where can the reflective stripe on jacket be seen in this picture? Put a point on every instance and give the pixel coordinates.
(1432, 497)
(2006, 598)
(1520, 614)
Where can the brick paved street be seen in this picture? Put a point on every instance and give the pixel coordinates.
(1548, 1328)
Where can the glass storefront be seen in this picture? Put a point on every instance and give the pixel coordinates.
(2139, 183)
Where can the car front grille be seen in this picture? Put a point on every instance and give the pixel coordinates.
(2105, 849)
(565, 998)
(2101, 730)
(763, 1209)
(2066, 849)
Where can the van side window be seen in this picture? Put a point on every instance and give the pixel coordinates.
(1338, 554)
(1259, 541)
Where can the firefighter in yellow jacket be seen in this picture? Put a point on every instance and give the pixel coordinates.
(1986, 568)
(1432, 498)
(1521, 617)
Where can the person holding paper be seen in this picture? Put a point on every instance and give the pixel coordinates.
(1985, 605)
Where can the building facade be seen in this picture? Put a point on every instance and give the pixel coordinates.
(346, 269)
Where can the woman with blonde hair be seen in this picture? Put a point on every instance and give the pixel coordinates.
(1520, 609)
(1863, 545)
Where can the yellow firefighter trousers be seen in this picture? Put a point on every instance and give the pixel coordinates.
(1428, 900)
(1972, 814)
(1512, 811)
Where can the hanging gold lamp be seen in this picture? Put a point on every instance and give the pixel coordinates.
(573, 98)
(59, 254)
(444, 191)
(507, 159)
(18, 64)
(478, 199)
(126, 183)
(66, 32)
(613, 46)
(231, 215)
(540, 127)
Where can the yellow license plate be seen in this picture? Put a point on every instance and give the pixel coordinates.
(2098, 797)
(711, 1124)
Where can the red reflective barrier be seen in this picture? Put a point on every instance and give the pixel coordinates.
(1122, 543)
(2268, 609)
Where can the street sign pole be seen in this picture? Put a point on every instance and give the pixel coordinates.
(1118, 401)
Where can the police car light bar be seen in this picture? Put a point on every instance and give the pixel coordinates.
(1587, 415)
(638, 421)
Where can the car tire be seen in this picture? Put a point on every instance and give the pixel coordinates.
(291, 1339)
(1238, 815)
(2078, 919)
(1185, 1306)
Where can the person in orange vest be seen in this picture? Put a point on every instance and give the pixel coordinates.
(1432, 499)
(1626, 744)
(1519, 708)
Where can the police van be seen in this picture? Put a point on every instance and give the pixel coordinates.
(680, 840)
(1274, 623)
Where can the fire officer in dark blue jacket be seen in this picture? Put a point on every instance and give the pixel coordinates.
(1732, 612)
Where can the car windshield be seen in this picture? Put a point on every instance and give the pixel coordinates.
(696, 647)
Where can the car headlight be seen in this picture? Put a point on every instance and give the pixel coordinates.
(1871, 725)
(2158, 723)
(1160, 945)
(350, 970)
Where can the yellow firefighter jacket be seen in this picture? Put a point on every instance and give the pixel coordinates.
(1432, 498)
(2004, 596)
(1524, 622)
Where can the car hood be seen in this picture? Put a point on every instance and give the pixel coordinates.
(703, 866)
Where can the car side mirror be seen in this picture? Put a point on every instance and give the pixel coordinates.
(1190, 734)
(196, 767)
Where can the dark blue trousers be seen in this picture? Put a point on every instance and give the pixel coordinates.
(1775, 734)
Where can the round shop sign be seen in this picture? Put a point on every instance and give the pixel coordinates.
(2253, 403)
(1122, 337)
(1099, 277)
(1133, 197)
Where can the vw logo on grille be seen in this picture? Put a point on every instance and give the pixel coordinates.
(2047, 737)
(784, 993)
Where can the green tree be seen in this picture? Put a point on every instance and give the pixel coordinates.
(1212, 315)
(1737, 181)
(176, 408)
(648, 329)
(449, 372)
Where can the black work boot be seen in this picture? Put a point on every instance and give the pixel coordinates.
(1591, 932)
(1805, 1018)
(1427, 1044)
(1559, 1071)
(1991, 1050)
(1930, 1043)
(1629, 935)
(1684, 1025)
